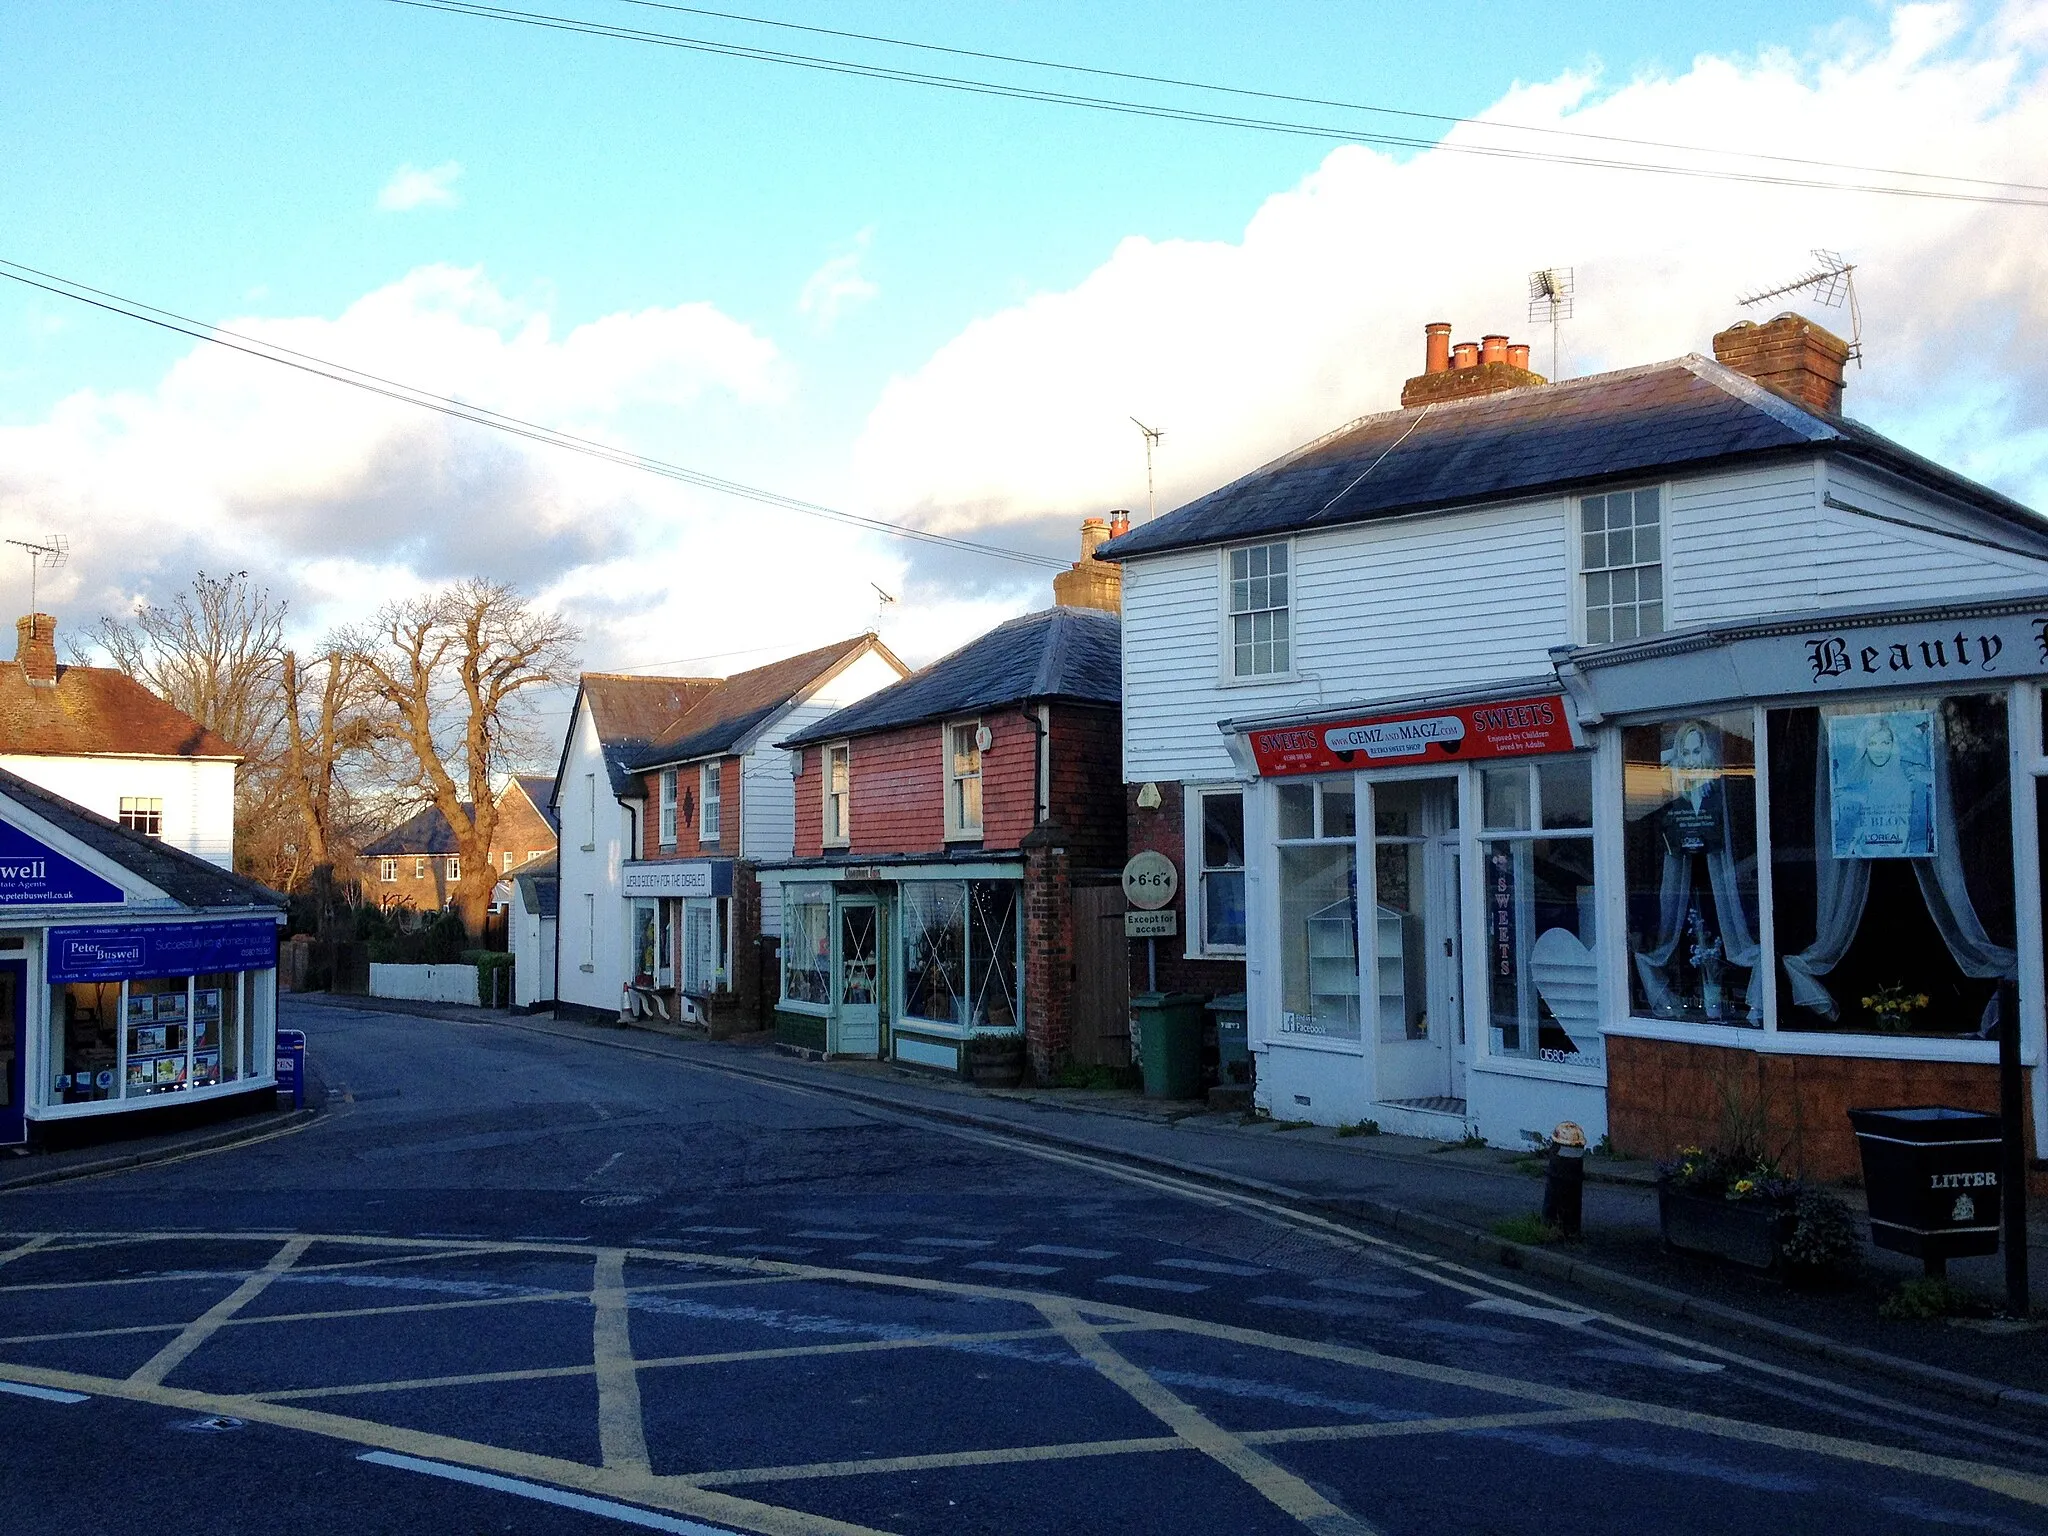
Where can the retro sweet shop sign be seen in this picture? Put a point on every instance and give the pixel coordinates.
(1520, 727)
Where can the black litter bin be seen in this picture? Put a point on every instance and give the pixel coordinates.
(1931, 1176)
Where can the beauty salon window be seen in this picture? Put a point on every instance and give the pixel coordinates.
(1689, 850)
(1318, 825)
(1891, 865)
(1542, 970)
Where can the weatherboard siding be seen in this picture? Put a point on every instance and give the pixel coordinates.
(1742, 544)
(1864, 560)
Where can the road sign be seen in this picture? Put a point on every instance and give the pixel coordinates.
(1151, 925)
(1150, 880)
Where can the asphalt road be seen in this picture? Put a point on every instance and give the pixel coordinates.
(519, 1283)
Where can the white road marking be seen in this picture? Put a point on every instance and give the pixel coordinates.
(1147, 1283)
(839, 1237)
(44, 1394)
(1071, 1253)
(997, 1267)
(627, 1514)
(723, 1231)
(950, 1242)
(1563, 1316)
(781, 1249)
(1660, 1359)
(899, 1258)
(1324, 1306)
(1367, 1288)
(1209, 1267)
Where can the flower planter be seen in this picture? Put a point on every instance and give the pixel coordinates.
(1746, 1232)
(996, 1063)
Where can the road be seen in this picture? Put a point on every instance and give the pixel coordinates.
(512, 1282)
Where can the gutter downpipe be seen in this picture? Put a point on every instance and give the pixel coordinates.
(1040, 769)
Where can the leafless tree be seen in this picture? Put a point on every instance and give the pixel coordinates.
(454, 673)
(327, 723)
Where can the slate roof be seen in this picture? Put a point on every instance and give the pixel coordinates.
(632, 713)
(428, 832)
(723, 720)
(1056, 653)
(97, 711)
(539, 883)
(182, 876)
(1691, 412)
(540, 789)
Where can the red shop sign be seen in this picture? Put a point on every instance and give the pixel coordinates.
(1502, 728)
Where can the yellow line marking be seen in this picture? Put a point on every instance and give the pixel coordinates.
(30, 1246)
(196, 1333)
(621, 1431)
(1455, 1425)
(1267, 1477)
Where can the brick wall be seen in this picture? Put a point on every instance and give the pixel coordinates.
(521, 832)
(1162, 832)
(1086, 797)
(1663, 1095)
(689, 814)
(899, 787)
(1048, 952)
(423, 893)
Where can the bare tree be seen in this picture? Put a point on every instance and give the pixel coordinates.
(454, 672)
(326, 724)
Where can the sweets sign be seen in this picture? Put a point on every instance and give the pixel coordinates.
(1469, 732)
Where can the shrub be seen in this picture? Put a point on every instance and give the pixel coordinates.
(1926, 1298)
(488, 963)
(1363, 1128)
(1824, 1245)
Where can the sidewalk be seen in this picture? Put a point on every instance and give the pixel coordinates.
(31, 1169)
(1442, 1196)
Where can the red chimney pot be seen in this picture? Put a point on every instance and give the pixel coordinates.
(1493, 349)
(1436, 347)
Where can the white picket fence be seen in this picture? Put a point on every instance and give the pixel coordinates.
(425, 983)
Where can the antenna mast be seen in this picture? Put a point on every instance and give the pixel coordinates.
(1152, 436)
(1551, 292)
(46, 556)
(1832, 281)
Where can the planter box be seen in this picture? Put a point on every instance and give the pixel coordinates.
(995, 1066)
(1746, 1232)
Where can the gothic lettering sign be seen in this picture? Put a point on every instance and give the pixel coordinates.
(1464, 732)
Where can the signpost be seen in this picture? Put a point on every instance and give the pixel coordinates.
(1151, 925)
(1150, 883)
(291, 1065)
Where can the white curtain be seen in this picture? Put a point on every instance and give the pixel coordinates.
(1674, 902)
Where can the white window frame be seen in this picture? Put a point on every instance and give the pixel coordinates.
(710, 804)
(144, 814)
(958, 828)
(836, 830)
(419, 866)
(1576, 523)
(1226, 618)
(590, 812)
(1198, 946)
(387, 871)
(454, 869)
(667, 829)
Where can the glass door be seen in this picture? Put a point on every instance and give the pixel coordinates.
(1417, 944)
(857, 979)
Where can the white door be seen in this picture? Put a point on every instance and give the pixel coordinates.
(1420, 1039)
(700, 946)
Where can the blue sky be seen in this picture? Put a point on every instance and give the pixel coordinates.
(996, 263)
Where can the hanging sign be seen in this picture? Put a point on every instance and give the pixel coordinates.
(33, 875)
(1466, 732)
(161, 949)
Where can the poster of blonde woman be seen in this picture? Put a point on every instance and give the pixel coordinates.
(1881, 784)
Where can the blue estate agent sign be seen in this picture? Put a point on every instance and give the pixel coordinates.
(161, 949)
(32, 875)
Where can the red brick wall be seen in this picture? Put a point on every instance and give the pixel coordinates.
(810, 807)
(522, 831)
(1048, 956)
(1162, 832)
(1086, 794)
(428, 893)
(899, 787)
(688, 844)
(1663, 1095)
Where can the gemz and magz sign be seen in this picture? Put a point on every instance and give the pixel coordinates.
(1466, 732)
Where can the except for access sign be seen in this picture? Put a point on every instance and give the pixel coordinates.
(1151, 925)
(1501, 728)
(1150, 880)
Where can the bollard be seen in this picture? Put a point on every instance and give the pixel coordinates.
(1564, 1184)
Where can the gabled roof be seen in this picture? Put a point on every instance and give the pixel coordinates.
(539, 790)
(726, 719)
(1688, 413)
(1057, 653)
(184, 877)
(428, 832)
(630, 714)
(539, 883)
(97, 711)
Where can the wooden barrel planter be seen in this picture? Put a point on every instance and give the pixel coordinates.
(995, 1061)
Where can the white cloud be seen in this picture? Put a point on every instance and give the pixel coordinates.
(411, 187)
(838, 285)
(1243, 349)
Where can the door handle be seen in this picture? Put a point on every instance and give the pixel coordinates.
(1448, 951)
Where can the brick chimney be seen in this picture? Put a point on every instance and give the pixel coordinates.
(1458, 370)
(1790, 356)
(1092, 583)
(35, 649)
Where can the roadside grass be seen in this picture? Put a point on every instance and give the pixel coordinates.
(1363, 1128)
(1531, 1231)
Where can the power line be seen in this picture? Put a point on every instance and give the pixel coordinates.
(959, 83)
(498, 421)
(1450, 120)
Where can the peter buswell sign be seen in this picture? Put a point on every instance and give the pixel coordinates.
(161, 949)
(32, 875)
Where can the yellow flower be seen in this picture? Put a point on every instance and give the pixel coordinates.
(1870, 1002)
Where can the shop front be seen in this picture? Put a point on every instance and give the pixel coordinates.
(680, 925)
(134, 979)
(904, 962)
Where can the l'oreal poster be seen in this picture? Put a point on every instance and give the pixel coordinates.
(1881, 784)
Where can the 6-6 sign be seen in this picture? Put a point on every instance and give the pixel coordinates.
(1150, 880)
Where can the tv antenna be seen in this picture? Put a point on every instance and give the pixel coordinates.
(1550, 300)
(882, 602)
(49, 555)
(1831, 283)
(1152, 436)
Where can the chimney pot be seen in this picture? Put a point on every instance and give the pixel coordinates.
(1493, 349)
(35, 649)
(1518, 355)
(1465, 355)
(1436, 347)
(1119, 524)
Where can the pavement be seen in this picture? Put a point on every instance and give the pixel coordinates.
(535, 1276)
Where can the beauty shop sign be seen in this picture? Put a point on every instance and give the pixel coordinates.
(1499, 728)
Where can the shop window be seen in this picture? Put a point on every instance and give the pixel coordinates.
(1689, 850)
(1621, 564)
(806, 944)
(387, 871)
(1259, 608)
(710, 793)
(1891, 865)
(963, 779)
(667, 827)
(1218, 822)
(838, 795)
(83, 1044)
(644, 942)
(144, 814)
(1318, 902)
(704, 958)
(992, 935)
(216, 1029)
(960, 953)
(158, 1021)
